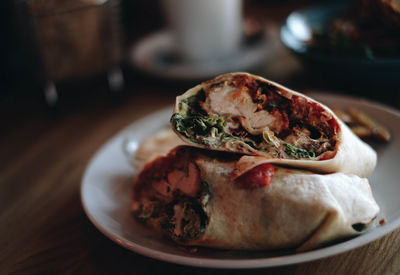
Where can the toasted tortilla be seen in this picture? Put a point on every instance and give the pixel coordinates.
(247, 114)
(196, 198)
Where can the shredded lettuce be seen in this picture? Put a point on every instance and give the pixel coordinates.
(148, 211)
(298, 152)
(187, 105)
(193, 126)
(214, 131)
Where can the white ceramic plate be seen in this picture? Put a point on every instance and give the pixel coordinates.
(105, 194)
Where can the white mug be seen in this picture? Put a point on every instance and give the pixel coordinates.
(205, 29)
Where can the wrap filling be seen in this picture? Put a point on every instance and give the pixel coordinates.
(242, 111)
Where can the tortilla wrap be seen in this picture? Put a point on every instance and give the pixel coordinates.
(247, 114)
(201, 198)
(158, 144)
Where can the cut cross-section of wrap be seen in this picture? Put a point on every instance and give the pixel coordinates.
(203, 198)
(247, 114)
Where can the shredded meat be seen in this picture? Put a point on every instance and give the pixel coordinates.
(169, 174)
(257, 105)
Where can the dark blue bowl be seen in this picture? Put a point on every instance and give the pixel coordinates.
(350, 70)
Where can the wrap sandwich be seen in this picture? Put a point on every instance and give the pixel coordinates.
(198, 197)
(247, 114)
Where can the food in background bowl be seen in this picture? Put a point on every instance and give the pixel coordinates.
(369, 28)
(346, 62)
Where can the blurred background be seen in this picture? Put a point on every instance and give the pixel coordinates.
(75, 72)
(64, 55)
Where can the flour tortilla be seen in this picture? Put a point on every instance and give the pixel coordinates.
(298, 209)
(348, 155)
(158, 144)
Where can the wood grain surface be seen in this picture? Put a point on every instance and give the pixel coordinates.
(45, 231)
(44, 153)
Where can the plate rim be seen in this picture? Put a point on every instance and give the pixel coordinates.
(254, 55)
(232, 263)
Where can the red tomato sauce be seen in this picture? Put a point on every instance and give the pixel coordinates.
(259, 176)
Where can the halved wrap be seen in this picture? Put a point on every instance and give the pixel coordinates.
(247, 114)
(204, 198)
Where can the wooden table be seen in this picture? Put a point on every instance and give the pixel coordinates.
(44, 153)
